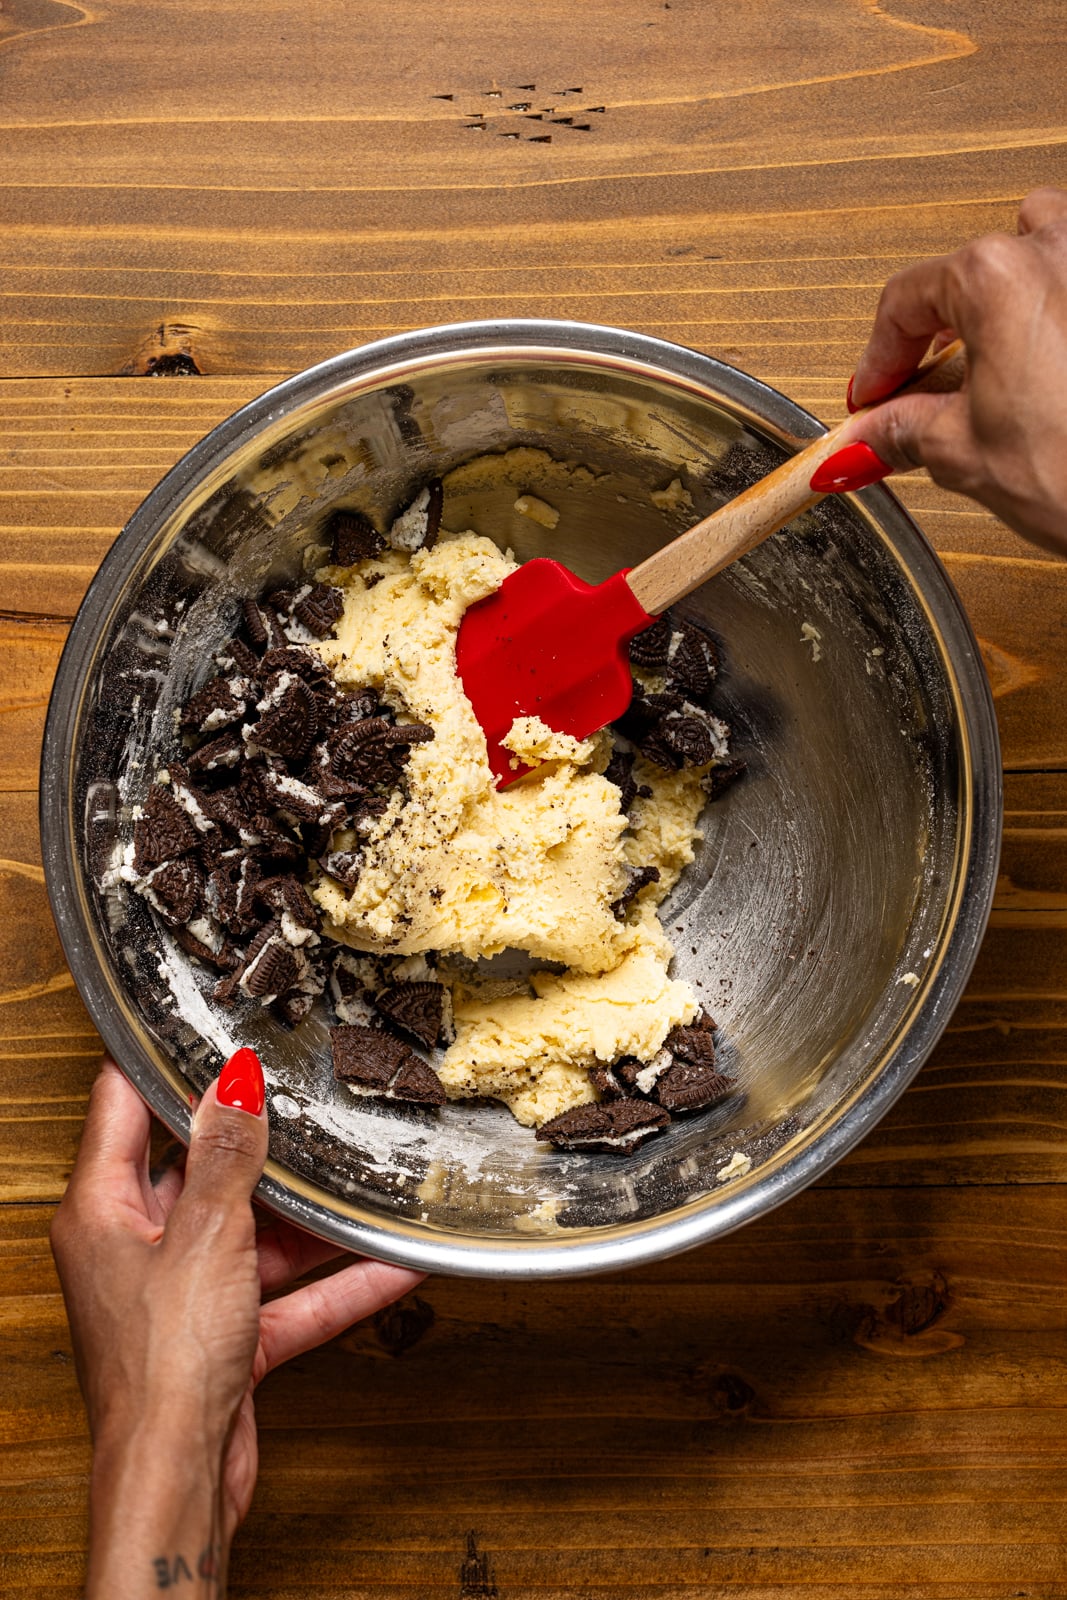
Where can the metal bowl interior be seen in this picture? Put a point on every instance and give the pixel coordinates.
(835, 907)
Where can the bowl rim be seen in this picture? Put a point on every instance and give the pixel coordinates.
(825, 1142)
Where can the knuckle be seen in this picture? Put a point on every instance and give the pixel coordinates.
(892, 295)
(898, 443)
(236, 1136)
(322, 1315)
(985, 265)
(1038, 202)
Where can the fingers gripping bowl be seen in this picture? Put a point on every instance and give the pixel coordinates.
(835, 906)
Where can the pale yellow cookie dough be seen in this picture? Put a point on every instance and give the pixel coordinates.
(467, 870)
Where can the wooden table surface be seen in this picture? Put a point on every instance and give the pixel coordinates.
(865, 1394)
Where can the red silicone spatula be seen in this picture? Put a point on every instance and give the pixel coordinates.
(546, 644)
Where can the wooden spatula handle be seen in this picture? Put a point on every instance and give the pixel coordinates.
(697, 555)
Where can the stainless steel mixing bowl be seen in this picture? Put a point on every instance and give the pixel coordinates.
(831, 917)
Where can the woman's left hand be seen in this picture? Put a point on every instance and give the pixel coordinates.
(164, 1288)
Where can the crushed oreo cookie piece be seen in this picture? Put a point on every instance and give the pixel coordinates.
(231, 889)
(274, 840)
(344, 865)
(270, 967)
(377, 1064)
(163, 831)
(320, 609)
(254, 624)
(639, 879)
(353, 538)
(289, 717)
(217, 755)
(689, 1086)
(295, 658)
(605, 1082)
(417, 527)
(693, 1043)
(649, 648)
(721, 777)
(220, 703)
(221, 956)
(226, 808)
(370, 751)
(688, 738)
(237, 657)
(619, 771)
(176, 889)
(366, 1059)
(296, 799)
(281, 601)
(614, 1128)
(418, 1084)
(692, 664)
(415, 1008)
(286, 897)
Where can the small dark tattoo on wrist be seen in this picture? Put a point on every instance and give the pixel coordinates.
(170, 1572)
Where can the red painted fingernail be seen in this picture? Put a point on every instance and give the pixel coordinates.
(853, 467)
(241, 1083)
(850, 403)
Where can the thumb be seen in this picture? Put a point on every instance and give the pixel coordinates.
(917, 430)
(228, 1143)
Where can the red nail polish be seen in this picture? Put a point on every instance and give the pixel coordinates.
(852, 467)
(241, 1083)
(850, 403)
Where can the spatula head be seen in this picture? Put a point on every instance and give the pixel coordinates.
(546, 644)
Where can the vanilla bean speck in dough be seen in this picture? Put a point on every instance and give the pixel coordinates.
(465, 870)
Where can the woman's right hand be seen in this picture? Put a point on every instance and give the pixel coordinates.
(1002, 439)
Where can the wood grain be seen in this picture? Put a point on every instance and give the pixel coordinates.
(745, 199)
(866, 1387)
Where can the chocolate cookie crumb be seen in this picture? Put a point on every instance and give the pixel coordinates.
(254, 624)
(224, 752)
(721, 777)
(320, 609)
(692, 664)
(366, 1058)
(417, 526)
(289, 726)
(344, 865)
(418, 1083)
(224, 958)
(162, 831)
(416, 1008)
(272, 970)
(641, 876)
(376, 1064)
(177, 888)
(238, 655)
(649, 648)
(354, 538)
(221, 702)
(693, 1044)
(689, 1086)
(619, 771)
(617, 1128)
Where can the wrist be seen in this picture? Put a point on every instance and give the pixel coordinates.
(154, 1509)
